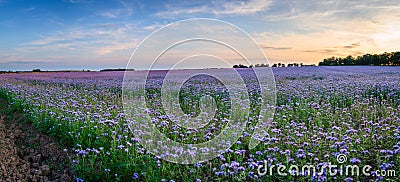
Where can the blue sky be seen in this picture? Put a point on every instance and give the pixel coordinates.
(89, 34)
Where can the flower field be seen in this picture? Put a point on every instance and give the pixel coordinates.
(320, 113)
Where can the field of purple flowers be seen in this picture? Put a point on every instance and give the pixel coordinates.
(321, 112)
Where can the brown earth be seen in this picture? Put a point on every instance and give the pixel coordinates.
(27, 155)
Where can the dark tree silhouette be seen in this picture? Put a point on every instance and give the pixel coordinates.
(251, 66)
(385, 59)
(240, 66)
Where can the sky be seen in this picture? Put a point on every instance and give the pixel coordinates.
(89, 34)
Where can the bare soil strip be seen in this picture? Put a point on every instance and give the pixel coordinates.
(27, 155)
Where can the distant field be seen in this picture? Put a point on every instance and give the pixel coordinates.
(321, 113)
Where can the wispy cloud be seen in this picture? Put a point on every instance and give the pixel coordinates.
(56, 21)
(323, 51)
(218, 8)
(98, 39)
(242, 7)
(351, 46)
(78, 1)
(125, 10)
(106, 25)
(276, 48)
(118, 46)
(10, 57)
(153, 26)
(27, 62)
(28, 9)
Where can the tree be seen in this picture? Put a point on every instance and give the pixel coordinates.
(384, 59)
(349, 60)
(239, 66)
(395, 59)
(261, 65)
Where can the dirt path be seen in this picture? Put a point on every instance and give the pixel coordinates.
(27, 155)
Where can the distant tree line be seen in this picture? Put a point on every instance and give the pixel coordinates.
(117, 69)
(39, 70)
(385, 59)
(6, 72)
(240, 66)
(289, 65)
(251, 66)
(274, 65)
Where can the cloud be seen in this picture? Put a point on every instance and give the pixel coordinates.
(126, 10)
(276, 48)
(84, 34)
(78, 1)
(128, 45)
(95, 40)
(57, 38)
(55, 21)
(313, 47)
(218, 8)
(351, 46)
(305, 31)
(316, 16)
(111, 14)
(172, 12)
(319, 29)
(27, 62)
(153, 27)
(10, 57)
(28, 9)
(105, 25)
(323, 51)
(242, 7)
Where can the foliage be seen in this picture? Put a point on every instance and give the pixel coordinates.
(385, 59)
